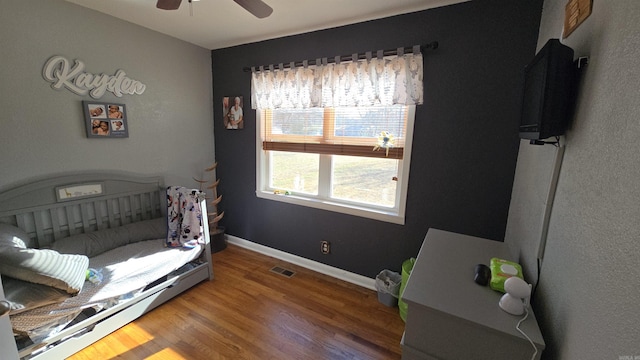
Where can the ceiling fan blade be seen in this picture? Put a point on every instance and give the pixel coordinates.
(257, 7)
(168, 4)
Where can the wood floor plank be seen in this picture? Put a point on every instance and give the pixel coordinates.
(250, 312)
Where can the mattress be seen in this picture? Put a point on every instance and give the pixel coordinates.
(125, 271)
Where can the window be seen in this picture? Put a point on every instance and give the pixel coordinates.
(337, 136)
(336, 158)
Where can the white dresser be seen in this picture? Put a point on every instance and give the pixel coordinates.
(449, 316)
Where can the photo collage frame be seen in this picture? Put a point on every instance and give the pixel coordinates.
(105, 119)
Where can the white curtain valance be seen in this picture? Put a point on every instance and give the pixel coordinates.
(395, 80)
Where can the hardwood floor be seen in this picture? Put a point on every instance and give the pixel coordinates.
(249, 312)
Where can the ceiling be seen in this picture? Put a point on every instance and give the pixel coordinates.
(215, 24)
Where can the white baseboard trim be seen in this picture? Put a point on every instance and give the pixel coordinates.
(306, 263)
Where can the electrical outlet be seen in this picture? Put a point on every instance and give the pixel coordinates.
(325, 247)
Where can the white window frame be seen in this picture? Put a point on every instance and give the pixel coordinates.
(322, 201)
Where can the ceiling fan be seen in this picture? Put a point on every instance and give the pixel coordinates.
(256, 7)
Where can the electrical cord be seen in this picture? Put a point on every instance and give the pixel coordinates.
(539, 263)
(526, 314)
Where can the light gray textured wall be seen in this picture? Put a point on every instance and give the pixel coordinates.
(587, 297)
(42, 130)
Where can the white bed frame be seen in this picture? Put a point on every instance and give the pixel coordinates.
(54, 207)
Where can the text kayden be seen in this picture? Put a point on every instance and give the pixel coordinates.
(59, 72)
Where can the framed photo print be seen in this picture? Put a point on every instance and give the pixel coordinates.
(105, 119)
(232, 112)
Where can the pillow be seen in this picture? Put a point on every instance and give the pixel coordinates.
(97, 242)
(24, 296)
(147, 230)
(46, 267)
(93, 243)
(14, 236)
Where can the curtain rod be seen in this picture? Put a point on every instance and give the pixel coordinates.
(432, 45)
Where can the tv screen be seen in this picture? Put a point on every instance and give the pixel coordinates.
(548, 96)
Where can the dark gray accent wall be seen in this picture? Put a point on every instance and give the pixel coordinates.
(465, 142)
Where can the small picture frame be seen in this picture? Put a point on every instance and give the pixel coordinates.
(105, 119)
(232, 112)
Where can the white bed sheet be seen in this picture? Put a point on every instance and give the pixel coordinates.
(126, 270)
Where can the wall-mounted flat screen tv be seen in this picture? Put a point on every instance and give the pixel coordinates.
(549, 92)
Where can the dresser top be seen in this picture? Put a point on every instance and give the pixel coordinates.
(442, 280)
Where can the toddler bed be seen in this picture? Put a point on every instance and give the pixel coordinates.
(83, 254)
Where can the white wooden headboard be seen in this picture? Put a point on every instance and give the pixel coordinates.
(67, 204)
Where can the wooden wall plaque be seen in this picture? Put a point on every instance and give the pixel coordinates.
(575, 12)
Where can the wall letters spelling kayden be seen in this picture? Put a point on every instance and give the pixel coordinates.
(59, 72)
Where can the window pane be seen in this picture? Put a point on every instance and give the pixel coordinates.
(367, 180)
(294, 171)
(370, 121)
(298, 122)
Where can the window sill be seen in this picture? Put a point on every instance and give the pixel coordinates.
(370, 213)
